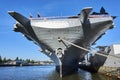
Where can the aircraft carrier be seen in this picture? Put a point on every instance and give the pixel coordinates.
(59, 37)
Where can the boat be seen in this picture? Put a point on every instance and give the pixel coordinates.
(57, 36)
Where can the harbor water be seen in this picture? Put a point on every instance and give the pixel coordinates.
(45, 73)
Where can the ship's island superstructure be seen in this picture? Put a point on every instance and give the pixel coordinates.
(54, 34)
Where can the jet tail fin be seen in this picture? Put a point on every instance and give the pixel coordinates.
(84, 14)
(20, 18)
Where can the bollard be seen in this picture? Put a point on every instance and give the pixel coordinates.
(60, 69)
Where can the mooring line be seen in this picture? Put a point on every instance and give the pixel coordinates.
(91, 51)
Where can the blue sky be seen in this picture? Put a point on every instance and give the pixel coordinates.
(14, 44)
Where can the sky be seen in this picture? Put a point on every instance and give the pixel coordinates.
(14, 45)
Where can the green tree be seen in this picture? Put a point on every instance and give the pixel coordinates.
(4, 60)
(9, 60)
(0, 60)
(32, 61)
(21, 59)
(16, 59)
(28, 60)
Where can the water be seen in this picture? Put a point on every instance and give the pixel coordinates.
(44, 73)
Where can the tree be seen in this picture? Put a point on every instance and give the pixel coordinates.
(16, 59)
(32, 61)
(21, 59)
(9, 60)
(28, 60)
(4, 60)
(0, 60)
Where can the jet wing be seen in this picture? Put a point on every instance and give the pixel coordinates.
(85, 14)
